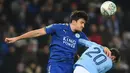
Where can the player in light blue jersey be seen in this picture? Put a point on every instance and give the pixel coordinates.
(94, 60)
(64, 41)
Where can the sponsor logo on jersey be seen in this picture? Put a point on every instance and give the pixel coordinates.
(69, 42)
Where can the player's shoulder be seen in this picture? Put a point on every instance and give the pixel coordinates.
(83, 35)
(61, 24)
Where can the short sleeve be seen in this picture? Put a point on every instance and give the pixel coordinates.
(86, 43)
(51, 28)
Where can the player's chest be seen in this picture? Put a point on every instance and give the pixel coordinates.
(63, 33)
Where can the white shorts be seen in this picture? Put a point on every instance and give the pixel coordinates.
(80, 69)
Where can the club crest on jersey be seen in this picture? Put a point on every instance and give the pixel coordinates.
(77, 35)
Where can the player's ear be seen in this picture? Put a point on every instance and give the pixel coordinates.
(74, 21)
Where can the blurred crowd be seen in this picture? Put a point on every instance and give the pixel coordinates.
(31, 55)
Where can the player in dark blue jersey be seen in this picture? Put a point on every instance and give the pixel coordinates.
(64, 41)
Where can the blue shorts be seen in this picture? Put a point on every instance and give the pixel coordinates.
(60, 67)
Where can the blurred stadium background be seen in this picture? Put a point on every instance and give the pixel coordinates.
(31, 55)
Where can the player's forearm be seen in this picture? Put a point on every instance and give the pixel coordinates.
(31, 34)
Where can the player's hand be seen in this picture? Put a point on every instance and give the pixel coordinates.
(107, 51)
(78, 56)
(11, 40)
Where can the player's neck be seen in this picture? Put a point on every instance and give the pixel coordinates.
(72, 27)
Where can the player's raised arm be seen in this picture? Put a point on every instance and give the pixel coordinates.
(88, 43)
(30, 34)
(34, 33)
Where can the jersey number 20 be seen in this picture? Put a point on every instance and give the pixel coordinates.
(97, 51)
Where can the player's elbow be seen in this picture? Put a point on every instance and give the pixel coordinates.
(41, 32)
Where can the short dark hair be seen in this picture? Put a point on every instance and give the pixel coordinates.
(75, 15)
(115, 52)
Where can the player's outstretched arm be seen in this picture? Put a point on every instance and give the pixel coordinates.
(30, 34)
(87, 43)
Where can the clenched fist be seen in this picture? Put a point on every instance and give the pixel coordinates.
(11, 40)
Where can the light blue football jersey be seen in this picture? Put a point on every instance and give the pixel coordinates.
(94, 59)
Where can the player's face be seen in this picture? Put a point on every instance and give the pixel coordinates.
(80, 23)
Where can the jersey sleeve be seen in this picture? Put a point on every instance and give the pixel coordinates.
(51, 28)
(86, 43)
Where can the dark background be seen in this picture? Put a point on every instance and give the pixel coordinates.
(31, 55)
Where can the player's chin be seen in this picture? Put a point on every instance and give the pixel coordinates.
(79, 31)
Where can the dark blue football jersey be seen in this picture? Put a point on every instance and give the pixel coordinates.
(64, 42)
